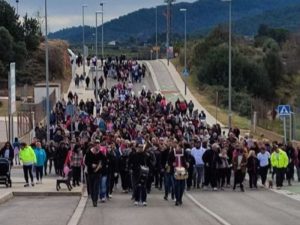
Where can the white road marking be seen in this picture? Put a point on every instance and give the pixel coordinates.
(211, 213)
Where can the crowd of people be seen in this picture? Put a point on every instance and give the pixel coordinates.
(142, 140)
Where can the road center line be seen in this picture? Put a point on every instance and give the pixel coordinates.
(211, 213)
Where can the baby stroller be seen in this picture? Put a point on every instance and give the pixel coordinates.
(5, 172)
(65, 180)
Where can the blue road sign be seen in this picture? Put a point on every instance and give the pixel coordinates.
(284, 110)
(185, 72)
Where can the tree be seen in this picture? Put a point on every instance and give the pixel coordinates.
(6, 45)
(10, 20)
(31, 33)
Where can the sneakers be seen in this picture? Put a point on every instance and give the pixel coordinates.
(215, 189)
(103, 200)
(95, 203)
(166, 198)
(32, 184)
(26, 185)
(144, 203)
(136, 203)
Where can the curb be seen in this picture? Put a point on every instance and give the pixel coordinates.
(75, 218)
(219, 219)
(6, 197)
(28, 194)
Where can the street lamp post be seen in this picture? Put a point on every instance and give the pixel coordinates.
(229, 69)
(102, 32)
(17, 1)
(96, 44)
(83, 39)
(156, 31)
(185, 72)
(47, 76)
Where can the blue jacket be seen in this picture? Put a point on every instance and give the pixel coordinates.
(40, 155)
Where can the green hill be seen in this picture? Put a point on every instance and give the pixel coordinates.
(202, 15)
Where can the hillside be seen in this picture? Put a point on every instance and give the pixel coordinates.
(202, 15)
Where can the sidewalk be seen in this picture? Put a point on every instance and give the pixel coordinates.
(48, 188)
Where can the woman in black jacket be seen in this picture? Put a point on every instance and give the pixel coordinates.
(139, 163)
(7, 152)
(252, 167)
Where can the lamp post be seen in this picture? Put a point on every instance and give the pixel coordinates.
(185, 72)
(17, 1)
(47, 75)
(102, 33)
(96, 44)
(169, 2)
(229, 68)
(156, 31)
(83, 39)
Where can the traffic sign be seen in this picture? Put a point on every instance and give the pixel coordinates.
(284, 110)
(185, 72)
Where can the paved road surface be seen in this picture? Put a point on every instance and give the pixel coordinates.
(38, 210)
(261, 207)
(121, 211)
(167, 85)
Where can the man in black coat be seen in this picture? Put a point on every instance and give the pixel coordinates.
(211, 159)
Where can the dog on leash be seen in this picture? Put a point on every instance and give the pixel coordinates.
(270, 184)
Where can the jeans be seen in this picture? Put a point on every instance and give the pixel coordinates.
(179, 189)
(39, 172)
(263, 174)
(28, 169)
(103, 186)
(169, 185)
(94, 186)
(200, 171)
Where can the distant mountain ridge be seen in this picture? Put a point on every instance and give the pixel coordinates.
(202, 15)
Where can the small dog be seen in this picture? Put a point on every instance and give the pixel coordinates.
(270, 184)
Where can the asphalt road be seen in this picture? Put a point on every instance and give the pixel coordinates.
(261, 207)
(121, 211)
(38, 210)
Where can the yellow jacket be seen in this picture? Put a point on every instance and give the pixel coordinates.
(27, 156)
(280, 159)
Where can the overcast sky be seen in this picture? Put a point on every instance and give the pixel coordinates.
(66, 13)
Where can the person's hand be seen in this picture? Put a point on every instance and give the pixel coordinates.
(94, 165)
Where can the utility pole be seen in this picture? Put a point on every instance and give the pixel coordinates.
(47, 75)
(17, 1)
(83, 39)
(156, 31)
(169, 2)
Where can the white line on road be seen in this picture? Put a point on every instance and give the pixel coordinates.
(75, 218)
(211, 213)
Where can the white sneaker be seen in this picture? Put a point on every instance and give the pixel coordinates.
(215, 189)
(136, 203)
(144, 203)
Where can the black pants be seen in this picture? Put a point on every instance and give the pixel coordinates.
(125, 180)
(28, 169)
(94, 180)
(228, 176)
(140, 192)
(210, 177)
(179, 190)
(252, 179)
(76, 175)
(222, 172)
(279, 176)
(39, 172)
(290, 171)
(263, 171)
(239, 177)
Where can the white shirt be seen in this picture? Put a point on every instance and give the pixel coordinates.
(197, 154)
(263, 159)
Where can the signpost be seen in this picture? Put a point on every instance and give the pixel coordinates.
(285, 111)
